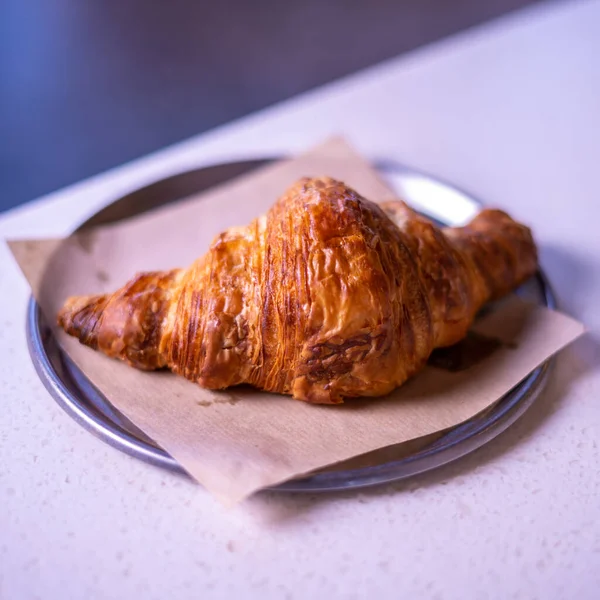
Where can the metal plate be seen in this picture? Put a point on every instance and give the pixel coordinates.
(438, 200)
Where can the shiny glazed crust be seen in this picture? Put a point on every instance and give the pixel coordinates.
(327, 296)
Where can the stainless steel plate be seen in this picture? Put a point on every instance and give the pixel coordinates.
(438, 200)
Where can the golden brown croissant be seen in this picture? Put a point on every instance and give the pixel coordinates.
(326, 296)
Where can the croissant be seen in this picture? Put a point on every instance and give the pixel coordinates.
(327, 296)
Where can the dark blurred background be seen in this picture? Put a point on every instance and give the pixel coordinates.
(86, 85)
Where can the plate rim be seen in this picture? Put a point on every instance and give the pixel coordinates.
(454, 443)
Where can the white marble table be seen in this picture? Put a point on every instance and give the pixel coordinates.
(510, 111)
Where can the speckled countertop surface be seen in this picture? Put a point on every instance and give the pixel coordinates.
(510, 112)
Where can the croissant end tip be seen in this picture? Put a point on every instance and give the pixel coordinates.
(78, 317)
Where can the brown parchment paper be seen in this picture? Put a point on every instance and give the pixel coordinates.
(241, 440)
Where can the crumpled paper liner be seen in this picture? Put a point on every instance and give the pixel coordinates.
(241, 440)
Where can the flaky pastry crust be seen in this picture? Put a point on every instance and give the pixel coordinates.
(327, 296)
